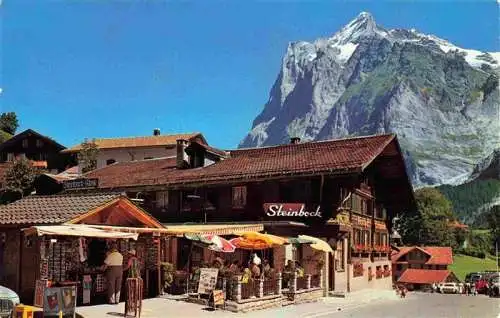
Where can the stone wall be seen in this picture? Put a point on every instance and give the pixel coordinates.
(308, 296)
(255, 304)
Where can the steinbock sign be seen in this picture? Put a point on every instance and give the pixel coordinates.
(80, 184)
(290, 209)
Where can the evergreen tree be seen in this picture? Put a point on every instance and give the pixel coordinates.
(9, 123)
(493, 218)
(87, 157)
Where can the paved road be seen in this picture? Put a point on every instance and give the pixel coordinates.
(418, 305)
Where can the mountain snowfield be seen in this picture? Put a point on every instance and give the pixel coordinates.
(440, 99)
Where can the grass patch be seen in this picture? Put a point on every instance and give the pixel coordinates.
(463, 264)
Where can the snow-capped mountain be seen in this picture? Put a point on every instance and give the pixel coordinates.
(441, 100)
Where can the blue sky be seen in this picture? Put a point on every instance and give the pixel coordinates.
(76, 69)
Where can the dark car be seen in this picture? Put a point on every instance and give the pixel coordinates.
(473, 277)
(8, 301)
(494, 284)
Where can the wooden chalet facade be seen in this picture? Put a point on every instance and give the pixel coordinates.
(42, 151)
(25, 259)
(356, 184)
(420, 267)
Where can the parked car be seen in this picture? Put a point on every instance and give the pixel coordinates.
(473, 277)
(494, 290)
(482, 286)
(449, 288)
(8, 301)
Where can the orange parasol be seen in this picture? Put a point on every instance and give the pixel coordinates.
(250, 244)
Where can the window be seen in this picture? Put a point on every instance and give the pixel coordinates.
(162, 199)
(10, 157)
(357, 236)
(110, 162)
(187, 203)
(297, 253)
(356, 203)
(39, 143)
(239, 197)
(383, 238)
(364, 207)
(361, 205)
(25, 143)
(367, 241)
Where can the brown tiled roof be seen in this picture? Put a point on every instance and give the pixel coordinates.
(333, 156)
(132, 173)
(4, 167)
(439, 255)
(130, 142)
(52, 209)
(423, 276)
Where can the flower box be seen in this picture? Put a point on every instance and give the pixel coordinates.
(357, 270)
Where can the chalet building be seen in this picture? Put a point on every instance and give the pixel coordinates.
(127, 149)
(22, 262)
(422, 266)
(344, 191)
(42, 151)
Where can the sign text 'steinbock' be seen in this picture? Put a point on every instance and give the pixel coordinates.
(290, 209)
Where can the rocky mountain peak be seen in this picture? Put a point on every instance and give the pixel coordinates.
(441, 100)
(361, 27)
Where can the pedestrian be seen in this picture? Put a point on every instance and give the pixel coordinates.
(113, 265)
(133, 267)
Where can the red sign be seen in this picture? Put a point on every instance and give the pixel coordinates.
(290, 209)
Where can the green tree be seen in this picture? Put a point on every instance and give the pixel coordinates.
(9, 123)
(87, 157)
(430, 224)
(493, 218)
(20, 177)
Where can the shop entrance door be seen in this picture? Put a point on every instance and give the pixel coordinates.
(331, 272)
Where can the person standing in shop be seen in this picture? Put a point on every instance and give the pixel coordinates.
(114, 270)
(133, 268)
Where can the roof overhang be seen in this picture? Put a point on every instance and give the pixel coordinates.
(217, 229)
(79, 230)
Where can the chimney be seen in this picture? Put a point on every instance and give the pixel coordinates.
(182, 157)
(294, 140)
(156, 132)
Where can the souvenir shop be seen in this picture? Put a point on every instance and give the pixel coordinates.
(73, 255)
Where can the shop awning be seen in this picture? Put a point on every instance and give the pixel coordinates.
(217, 229)
(318, 244)
(79, 230)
